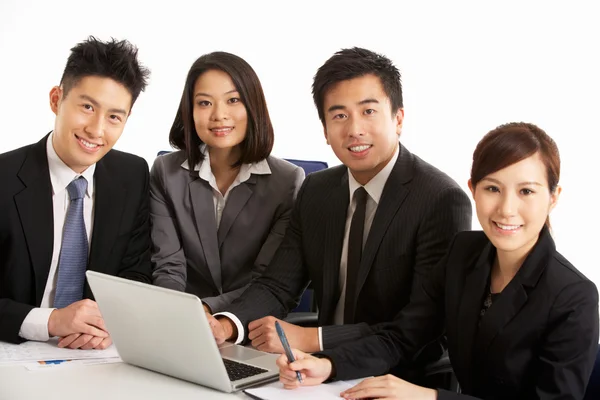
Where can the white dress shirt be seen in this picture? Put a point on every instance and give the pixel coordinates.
(374, 190)
(220, 200)
(35, 325)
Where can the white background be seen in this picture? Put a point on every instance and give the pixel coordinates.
(467, 67)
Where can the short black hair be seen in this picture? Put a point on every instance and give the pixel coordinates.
(258, 143)
(113, 59)
(353, 63)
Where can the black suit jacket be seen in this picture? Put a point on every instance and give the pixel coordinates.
(121, 232)
(538, 340)
(419, 212)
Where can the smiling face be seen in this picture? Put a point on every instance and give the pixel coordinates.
(220, 117)
(89, 120)
(360, 126)
(513, 205)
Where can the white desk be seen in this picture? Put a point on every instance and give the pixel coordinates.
(108, 381)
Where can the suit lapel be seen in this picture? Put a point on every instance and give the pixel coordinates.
(472, 296)
(34, 205)
(393, 195)
(109, 200)
(201, 198)
(335, 219)
(508, 304)
(514, 296)
(238, 198)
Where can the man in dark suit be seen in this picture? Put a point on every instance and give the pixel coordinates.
(366, 232)
(70, 203)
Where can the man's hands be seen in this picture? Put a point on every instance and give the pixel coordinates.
(313, 370)
(84, 342)
(222, 328)
(264, 336)
(79, 325)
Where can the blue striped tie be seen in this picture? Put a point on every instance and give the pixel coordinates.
(72, 262)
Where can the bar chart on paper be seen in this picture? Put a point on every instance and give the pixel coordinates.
(49, 351)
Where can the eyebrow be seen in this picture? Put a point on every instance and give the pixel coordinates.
(360, 103)
(528, 183)
(96, 104)
(208, 95)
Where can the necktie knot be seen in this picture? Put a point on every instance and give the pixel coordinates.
(77, 188)
(360, 195)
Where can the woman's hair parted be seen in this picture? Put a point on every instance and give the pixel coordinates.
(513, 142)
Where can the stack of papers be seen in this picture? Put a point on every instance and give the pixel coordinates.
(37, 355)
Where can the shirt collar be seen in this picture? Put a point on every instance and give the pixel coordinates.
(61, 175)
(375, 186)
(258, 168)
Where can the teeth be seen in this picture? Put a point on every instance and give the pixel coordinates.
(358, 149)
(88, 144)
(221, 129)
(507, 227)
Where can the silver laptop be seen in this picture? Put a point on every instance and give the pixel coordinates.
(167, 331)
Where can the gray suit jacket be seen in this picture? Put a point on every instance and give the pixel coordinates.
(419, 212)
(190, 254)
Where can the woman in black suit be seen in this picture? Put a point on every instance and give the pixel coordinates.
(521, 321)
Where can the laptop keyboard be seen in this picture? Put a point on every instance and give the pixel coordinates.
(237, 371)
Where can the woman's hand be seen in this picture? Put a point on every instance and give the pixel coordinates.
(388, 387)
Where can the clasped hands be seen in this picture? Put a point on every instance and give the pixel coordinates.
(79, 326)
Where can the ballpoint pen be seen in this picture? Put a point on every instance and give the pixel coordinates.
(286, 347)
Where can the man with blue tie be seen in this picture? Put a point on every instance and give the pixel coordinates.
(70, 203)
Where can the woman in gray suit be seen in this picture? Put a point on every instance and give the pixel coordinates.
(221, 204)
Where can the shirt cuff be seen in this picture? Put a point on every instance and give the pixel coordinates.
(320, 338)
(238, 325)
(35, 325)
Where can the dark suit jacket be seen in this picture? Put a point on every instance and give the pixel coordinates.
(419, 212)
(538, 340)
(189, 252)
(121, 231)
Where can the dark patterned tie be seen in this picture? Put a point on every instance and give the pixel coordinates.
(72, 262)
(355, 244)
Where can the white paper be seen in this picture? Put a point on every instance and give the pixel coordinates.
(39, 365)
(44, 351)
(276, 391)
